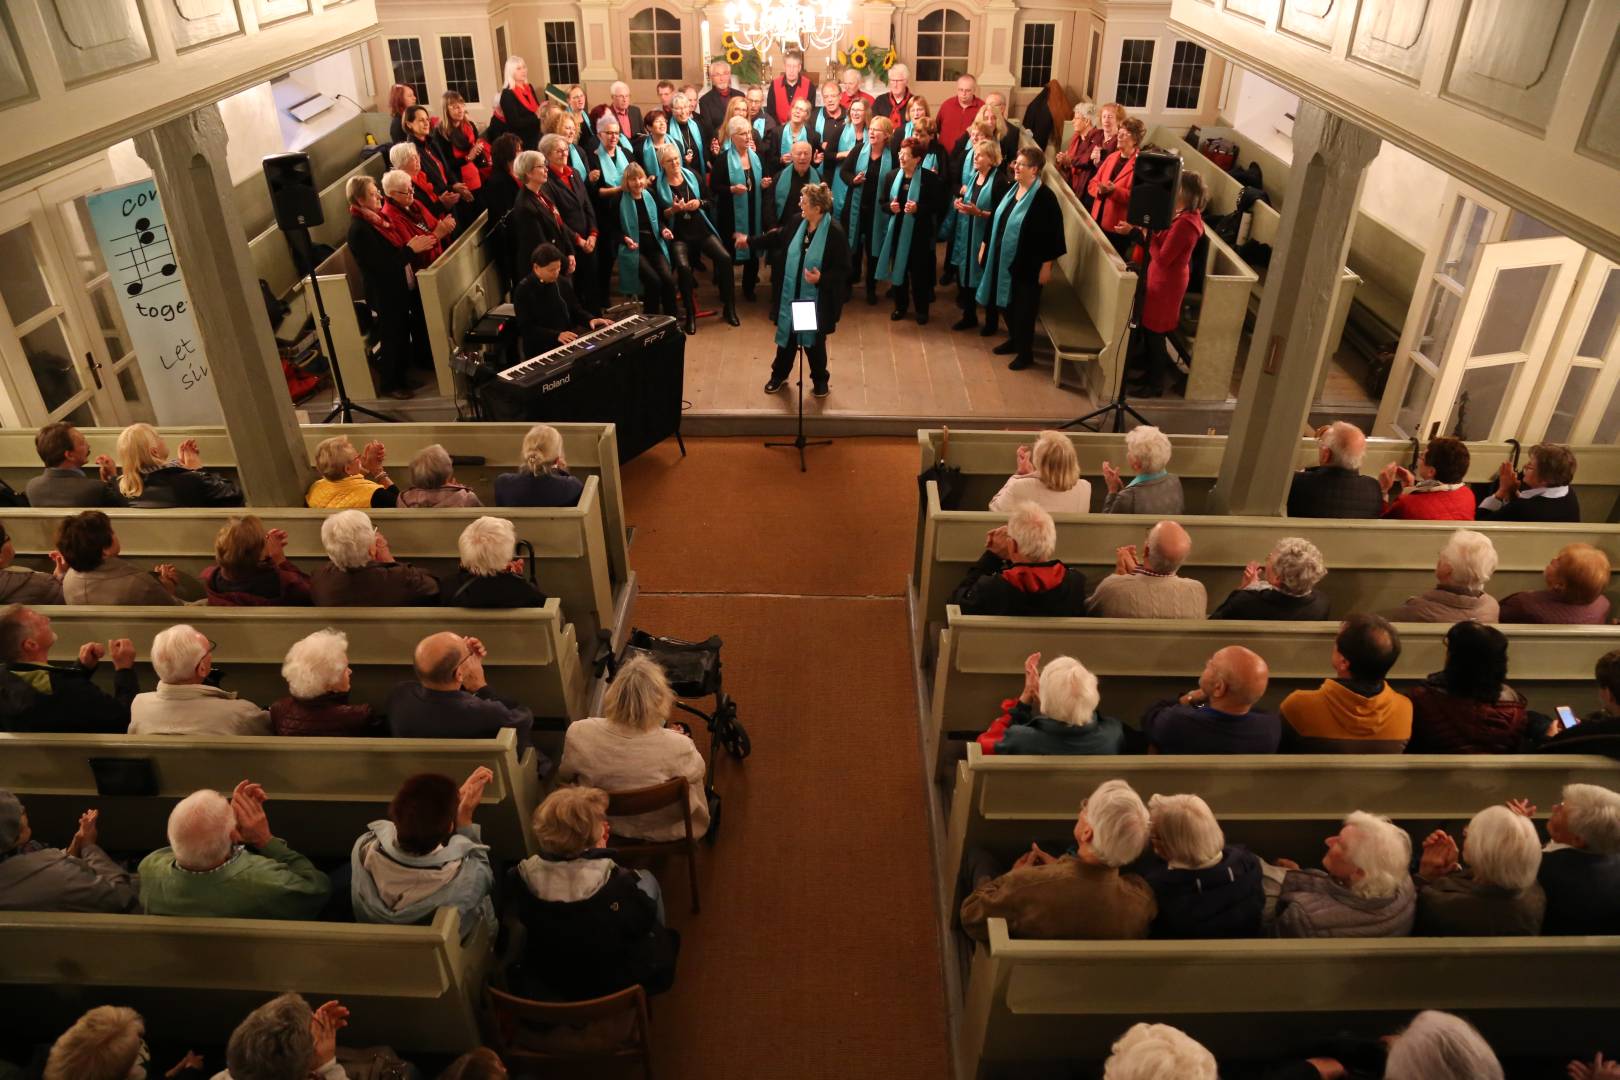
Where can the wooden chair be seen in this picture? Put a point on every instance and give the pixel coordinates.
(644, 801)
(523, 1032)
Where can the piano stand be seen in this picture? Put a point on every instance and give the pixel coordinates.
(799, 442)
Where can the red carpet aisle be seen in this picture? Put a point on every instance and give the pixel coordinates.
(815, 955)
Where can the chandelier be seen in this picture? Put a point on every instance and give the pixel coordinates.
(800, 24)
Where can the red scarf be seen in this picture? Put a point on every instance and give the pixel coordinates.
(376, 221)
(781, 101)
(415, 220)
(525, 93)
(429, 158)
(565, 173)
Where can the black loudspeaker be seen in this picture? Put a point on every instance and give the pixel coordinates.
(293, 194)
(1153, 191)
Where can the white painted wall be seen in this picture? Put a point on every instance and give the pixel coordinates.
(252, 130)
(332, 76)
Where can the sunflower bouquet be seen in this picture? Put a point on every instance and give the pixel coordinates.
(747, 65)
(873, 62)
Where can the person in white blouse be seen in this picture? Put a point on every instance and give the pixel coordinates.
(1049, 476)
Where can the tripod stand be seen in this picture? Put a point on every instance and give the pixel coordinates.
(1118, 409)
(800, 442)
(299, 239)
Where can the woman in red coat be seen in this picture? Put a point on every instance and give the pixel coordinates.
(1438, 492)
(1110, 187)
(1169, 267)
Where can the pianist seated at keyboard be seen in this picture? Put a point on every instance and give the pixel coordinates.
(543, 478)
(548, 312)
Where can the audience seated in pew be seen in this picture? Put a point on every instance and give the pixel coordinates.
(363, 572)
(1147, 586)
(1356, 711)
(1543, 494)
(184, 702)
(1153, 490)
(426, 855)
(1159, 1052)
(317, 672)
(1082, 895)
(284, 1037)
(1577, 578)
(451, 698)
(1364, 888)
(1497, 894)
(1438, 491)
(22, 586)
(1605, 721)
(1334, 486)
(1204, 887)
(1018, 575)
(543, 478)
(433, 481)
(591, 926)
(1219, 717)
(79, 877)
(1048, 476)
(491, 573)
(350, 478)
(64, 483)
(1055, 714)
(151, 480)
(630, 746)
(1580, 866)
(96, 575)
(1285, 588)
(106, 1043)
(37, 695)
(1468, 707)
(1464, 568)
(251, 568)
(203, 872)
(1434, 1046)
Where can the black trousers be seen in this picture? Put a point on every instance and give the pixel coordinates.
(1021, 311)
(682, 252)
(657, 283)
(815, 354)
(968, 300)
(904, 293)
(1150, 356)
(607, 240)
(587, 277)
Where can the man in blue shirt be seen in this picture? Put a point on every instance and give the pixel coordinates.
(1219, 717)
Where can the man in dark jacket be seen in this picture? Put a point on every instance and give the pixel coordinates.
(1334, 487)
(712, 104)
(1580, 868)
(81, 877)
(36, 695)
(1219, 717)
(64, 481)
(1017, 574)
(451, 698)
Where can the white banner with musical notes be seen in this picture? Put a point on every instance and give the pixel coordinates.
(134, 239)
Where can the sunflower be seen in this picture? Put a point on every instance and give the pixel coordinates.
(861, 44)
(733, 55)
(728, 39)
(890, 57)
(857, 60)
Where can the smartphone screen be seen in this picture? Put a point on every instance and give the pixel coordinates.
(1567, 717)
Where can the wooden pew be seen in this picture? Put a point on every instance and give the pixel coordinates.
(415, 988)
(323, 792)
(1037, 1009)
(1085, 307)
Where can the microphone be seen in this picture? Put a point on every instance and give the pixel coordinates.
(350, 100)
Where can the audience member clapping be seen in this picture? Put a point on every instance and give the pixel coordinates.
(317, 703)
(251, 568)
(1364, 888)
(1580, 868)
(152, 480)
(1465, 567)
(350, 478)
(1204, 887)
(1577, 578)
(1542, 494)
(362, 571)
(1048, 476)
(203, 872)
(1334, 486)
(1437, 492)
(428, 854)
(1018, 574)
(22, 586)
(184, 702)
(1083, 895)
(1219, 717)
(37, 695)
(1284, 588)
(96, 575)
(592, 927)
(1148, 585)
(542, 478)
(1356, 711)
(1055, 714)
(629, 747)
(491, 575)
(433, 481)
(284, 1039)
(1468, 707)
(107, 1043)
(80, 877)
(64, 483)
(1496, 894)
(451, 698)
(1153, 490)
(1159, 1052)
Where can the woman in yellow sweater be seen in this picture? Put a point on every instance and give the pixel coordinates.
(350, 479)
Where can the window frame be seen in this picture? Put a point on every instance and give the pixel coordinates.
(574, 44)
(1094, 64)
(501, 40)
(421, 88)
(658, 57)
(918, 58)
(1052, 61)
(1170, 78)
(1146, 83)
(471, 59)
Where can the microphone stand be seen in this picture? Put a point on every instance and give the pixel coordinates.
(345, 407)
(1118, 408)
(800, 442)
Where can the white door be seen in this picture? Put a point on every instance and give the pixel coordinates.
(1580, 400)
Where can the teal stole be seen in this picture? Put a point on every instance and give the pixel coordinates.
(576, 161)
(784, 180)
(995, 288)
(970, 231)
(649, 156)
(630, 261)
(613, 166)
(744, 218)
(759, 128)
(689, 142)
(667, 193)
(896, 248)
(880, 222)
(786, 140)
(794, 287)
(840, 187)
(906, 132)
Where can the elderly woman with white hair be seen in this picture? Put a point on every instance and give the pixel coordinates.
(1204, 887)
(1047, 475)
(1434, 1046)
(1055, 714)
(1496, 895)
(1083, 896)
(350, 478)
(630, 747)
(317, 672)
(1285, 588)
(535, 219)
(1461, 573)
(362, 572)
(433, 481)
(385, 260)
(491, 573)
(1580, 868)
(184, 702)
(1364, 888)
(1019, 573)
(223, 862)
(409, 216)
(1154, 489)
(1159, 1052)
(542, 477)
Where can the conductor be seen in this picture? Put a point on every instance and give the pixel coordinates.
(810, 262)
(548, 312)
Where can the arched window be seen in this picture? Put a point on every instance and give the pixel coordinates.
(655, 45)
(942, 47)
